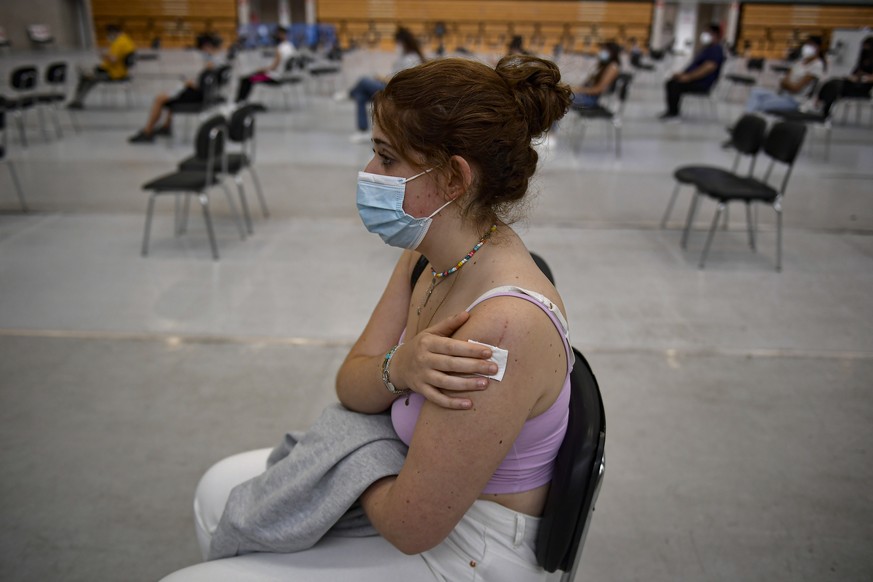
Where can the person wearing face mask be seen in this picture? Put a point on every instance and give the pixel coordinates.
(273, 73)
(795, 86)
(699, 76)
(599, 81)
(408, 55)
(467, 349)
(112, 65)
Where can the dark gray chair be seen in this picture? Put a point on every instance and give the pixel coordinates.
(55, 94)
(754, 69)
(782, 144)
(747, 137)
(610, 114)
(578, 475)
(23, 80)
(210, 147)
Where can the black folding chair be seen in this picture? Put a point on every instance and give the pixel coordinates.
(577, 477)
(782, 145)
(23, 81)
(610, 114)
(210, 147)
(56, 93)
(747, 136)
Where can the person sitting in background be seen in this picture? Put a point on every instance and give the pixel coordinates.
(699, 76)
(112, 65)
(272, 74)
(408, 55)
(190, 93)
(603, 77)
(860, 82)
(795, 85)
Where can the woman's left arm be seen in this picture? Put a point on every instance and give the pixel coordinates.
(453, 454)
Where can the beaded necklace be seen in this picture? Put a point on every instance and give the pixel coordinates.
(440, 277)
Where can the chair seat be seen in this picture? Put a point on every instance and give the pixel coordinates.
(323, 70)
(741, 79)
(119, 80)
(596, 112)
(697, 174)
(196, 107)
(21, 103)
(187, 181)
(732, 187)
(235, 162)
(290, 80)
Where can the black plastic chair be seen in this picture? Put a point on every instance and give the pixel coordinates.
(241, 130)
(747, 137)
(828, 94)
(124, 83)
(23, 81)
(7, 162)
(609, 114)
(210, 147)
(56, 84)
(577, 477)
(754, 69)
(209, 83)
(782, 144)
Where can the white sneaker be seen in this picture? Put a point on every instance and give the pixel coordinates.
(360, 137)
(341, 96)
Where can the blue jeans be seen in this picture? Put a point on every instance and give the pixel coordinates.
(764, 99)
(585, 100)
(363, 93)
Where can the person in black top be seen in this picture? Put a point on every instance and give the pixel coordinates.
(860, 82)
(699, 76)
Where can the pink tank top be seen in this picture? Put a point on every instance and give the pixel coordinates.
(530, 461)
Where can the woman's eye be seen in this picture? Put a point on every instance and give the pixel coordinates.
(386, 161)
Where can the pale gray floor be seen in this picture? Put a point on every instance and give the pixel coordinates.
(738, 399)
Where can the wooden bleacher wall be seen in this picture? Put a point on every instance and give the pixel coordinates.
(772, 30)
(176, 22)
(488, 25)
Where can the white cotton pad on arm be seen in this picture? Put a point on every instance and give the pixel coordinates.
(498, 356)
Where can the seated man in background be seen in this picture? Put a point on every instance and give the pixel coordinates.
(111, 67)
(190, 93)
(699, 76)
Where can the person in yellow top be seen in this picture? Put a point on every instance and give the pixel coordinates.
(112, 64)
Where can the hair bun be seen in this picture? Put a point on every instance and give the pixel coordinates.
(539, 93)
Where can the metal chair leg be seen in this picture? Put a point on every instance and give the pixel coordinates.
(749, 225)
(692, 210)
(56, 121)
(40, 116)
(243, 202)
(183, 225)
(670, 205)
(724, 224)
(778, 207)
(617, 125)
(233, 210)
(18, 189)
(204, 204)
(22, 131)
(263, 201)
(719, 209)
(148, 225)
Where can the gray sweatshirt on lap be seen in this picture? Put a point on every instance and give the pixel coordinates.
(311, 486)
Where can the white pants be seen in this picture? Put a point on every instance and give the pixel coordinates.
(490, 544)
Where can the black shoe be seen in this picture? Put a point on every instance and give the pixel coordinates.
(728, 144)
(75, 105)
(165, 130)
(667, 115)
(142, 137)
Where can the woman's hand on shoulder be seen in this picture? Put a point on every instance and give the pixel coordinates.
(434, 364)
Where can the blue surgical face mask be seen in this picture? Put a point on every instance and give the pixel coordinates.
(380, 205)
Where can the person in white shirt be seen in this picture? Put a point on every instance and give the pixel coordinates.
(272, 74)
(409, 55)
(795, 86)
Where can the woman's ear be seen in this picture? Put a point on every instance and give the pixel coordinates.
(460, 177)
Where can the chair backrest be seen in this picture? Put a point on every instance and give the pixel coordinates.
(210, 137)
(224, 73)
(56, 74)
(23, 78)
(207, 82)
(242, 123)
(755, 64)
(130, 59)
(784, 140)
(748, 133)
(578, 474)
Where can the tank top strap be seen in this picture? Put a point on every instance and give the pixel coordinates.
(546, 304)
